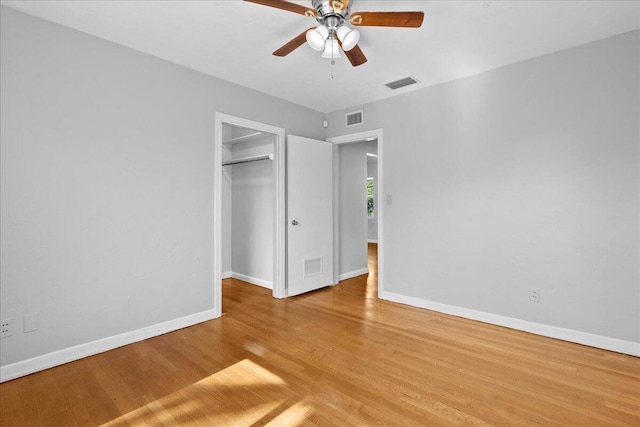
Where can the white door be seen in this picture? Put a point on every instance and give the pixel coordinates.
(309, 214)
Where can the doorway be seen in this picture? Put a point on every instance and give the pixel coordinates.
(229, 131)
(377, 247)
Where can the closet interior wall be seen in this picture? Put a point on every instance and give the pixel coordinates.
(248, 207)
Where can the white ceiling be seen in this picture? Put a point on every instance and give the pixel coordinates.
(233, 40)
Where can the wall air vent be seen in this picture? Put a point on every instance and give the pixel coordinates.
(354, 118)
(312, 267)
(401, 83)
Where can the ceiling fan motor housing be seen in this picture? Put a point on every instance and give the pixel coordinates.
(330, 15)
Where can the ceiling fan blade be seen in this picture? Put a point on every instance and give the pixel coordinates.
(387, 19)
(355, 56)
(292, 44)
(285, 5)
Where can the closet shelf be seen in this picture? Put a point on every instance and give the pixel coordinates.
(243, 138)
(248, 159)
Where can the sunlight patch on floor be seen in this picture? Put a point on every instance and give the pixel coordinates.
(243, 373)
(242, 394)
(295, 415)
(255, 348)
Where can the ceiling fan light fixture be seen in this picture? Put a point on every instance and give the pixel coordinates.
(332, 34)
(331, 49)
(316, 37)
(348, 37)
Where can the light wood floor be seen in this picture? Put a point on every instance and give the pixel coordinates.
(337, 356)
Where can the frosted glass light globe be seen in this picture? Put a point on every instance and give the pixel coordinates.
(317, 36)
(331, 49)
(348, 37)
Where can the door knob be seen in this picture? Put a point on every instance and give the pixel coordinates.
(294, 222)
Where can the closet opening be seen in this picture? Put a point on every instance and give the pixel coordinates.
(248, 205)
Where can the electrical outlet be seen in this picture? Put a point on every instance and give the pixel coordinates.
(534, 294)
(7, 328)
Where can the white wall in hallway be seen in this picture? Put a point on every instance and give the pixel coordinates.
(352, 209)
(372, 172)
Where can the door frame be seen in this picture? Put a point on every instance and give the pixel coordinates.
(346, 139)
(279, 248)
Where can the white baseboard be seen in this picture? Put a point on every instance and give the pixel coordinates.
(226, 274)
(49, 360)
(592, 340)
(372, 241)
(253, 280)
(354, 273)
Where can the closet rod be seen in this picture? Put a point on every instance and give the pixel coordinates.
(248, 159)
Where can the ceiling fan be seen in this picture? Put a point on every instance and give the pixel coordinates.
(333, 35)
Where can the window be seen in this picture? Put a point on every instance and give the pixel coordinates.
(370, 197)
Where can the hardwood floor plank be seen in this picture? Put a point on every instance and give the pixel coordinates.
(334, 357)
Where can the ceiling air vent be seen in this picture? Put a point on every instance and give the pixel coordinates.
(354, 118)
(401, 83)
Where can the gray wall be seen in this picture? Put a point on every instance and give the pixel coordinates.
(106, 183)
(524, 176)
(352, 161)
